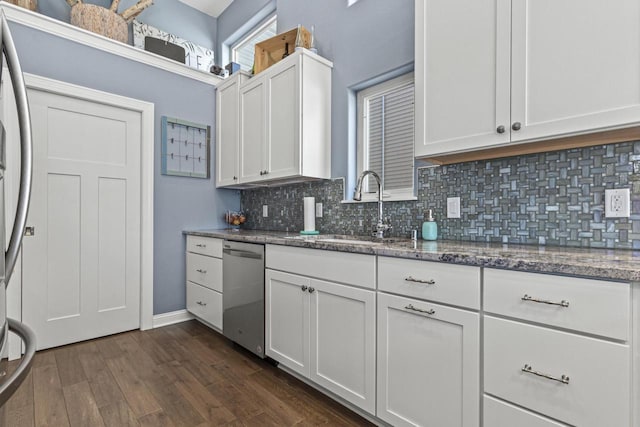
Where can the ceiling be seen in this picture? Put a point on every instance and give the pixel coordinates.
(210, 7)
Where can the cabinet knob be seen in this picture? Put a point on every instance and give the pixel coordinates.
(235, 178)
(516, 126)
(304, 288)
(265, 172)
(261, 173)
(311, 290)
(500, 129)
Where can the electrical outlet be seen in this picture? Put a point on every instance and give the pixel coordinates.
(318, 210)
(265, 211)
(617, 203)
(453, 207)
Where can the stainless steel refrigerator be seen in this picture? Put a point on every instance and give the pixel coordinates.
(9, 381)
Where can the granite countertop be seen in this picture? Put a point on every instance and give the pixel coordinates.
(609, 264)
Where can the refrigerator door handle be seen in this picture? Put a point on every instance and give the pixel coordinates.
(26, 154)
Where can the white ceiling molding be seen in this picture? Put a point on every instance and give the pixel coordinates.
(210, 7)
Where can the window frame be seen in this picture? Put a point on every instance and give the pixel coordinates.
(249, 35)
(363, 137)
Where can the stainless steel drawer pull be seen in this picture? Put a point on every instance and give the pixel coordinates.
(562, 303)
(430, 312)
(204, 304)
(426, 282)
(201, 271)
(529, 370)
(200, 245)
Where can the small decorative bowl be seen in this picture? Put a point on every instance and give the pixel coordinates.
(235, 218)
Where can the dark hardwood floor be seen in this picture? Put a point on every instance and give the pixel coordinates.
(179, 375)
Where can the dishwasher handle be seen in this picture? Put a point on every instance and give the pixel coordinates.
(241, 253)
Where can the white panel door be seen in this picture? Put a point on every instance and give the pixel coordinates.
(81, 275)
(575, 66)
(252, 130)
(462, 71)
(343, 342)
(287, 320)
(428, 364)
(283, 141)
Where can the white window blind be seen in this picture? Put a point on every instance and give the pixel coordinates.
(387, 136)
(243, 51)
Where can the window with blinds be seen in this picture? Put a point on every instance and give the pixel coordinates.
(386, 136)
(242, 52)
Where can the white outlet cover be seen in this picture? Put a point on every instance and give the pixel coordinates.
(265, 211)
(617, 203)
(319, 210)
(453, 207)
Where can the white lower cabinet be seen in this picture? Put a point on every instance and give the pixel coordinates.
(502, 414)
(324, 331)
(205, 304)
(204, 279)
(428, 364)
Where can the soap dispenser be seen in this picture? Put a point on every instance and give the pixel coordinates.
(429, 226)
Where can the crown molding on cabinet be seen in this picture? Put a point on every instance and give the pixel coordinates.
(67, 31)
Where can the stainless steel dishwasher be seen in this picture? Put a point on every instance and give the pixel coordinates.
(243, 295)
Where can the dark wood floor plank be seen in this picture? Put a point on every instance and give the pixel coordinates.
(118, 414)
(156, 419)
(135, 391)
(48, 400)
(108, 347)
(44, 357)
(19, 408)
(69, 367)
(81, 406)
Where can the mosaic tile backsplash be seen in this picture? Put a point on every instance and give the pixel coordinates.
(554, 198)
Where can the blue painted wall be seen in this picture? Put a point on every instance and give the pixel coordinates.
(168, 15)
(369, 39)
(179, 202)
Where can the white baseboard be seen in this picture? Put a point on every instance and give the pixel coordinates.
(171, 317)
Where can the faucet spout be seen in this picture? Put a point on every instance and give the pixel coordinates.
(382, 229)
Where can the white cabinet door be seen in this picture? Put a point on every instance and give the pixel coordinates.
(428, 364)
(287, 320)
(284, 139)
(253, 130)
(462, 68)
(227, 131)
(575, 66)
(343, 341)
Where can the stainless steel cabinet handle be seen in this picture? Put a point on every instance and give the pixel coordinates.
(430, 312)
(311, 290)
(516, 126)
(304, 288)
(235, 178)
(201, 271)
(201, 245)
(426, 282)
(500, 129)
(261, 172)
(204, 304)
(528, 298)
(564, 379)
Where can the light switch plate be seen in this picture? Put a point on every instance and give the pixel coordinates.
(453, 207)
(617, 203)
(265, 211)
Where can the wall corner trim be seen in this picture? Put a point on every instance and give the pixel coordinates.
(170, 318)
(70, 32)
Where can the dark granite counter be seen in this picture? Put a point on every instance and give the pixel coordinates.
(609, 264)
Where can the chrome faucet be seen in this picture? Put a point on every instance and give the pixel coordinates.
(383, 228)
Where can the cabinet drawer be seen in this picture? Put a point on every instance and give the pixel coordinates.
(205, 271)
(341, 267)
(592, 306)
(597, 393)
(205, 304)
(502, 414)
(205, 246)
(450, 284)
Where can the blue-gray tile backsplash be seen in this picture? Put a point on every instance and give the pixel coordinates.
(554, 198)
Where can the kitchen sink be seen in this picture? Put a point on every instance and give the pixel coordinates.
(342, 239)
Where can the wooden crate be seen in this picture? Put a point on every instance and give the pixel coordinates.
(270, 51)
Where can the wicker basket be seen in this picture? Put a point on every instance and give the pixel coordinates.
(100, 20)
(27, 4)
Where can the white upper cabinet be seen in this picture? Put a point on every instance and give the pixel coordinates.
(491, 72)
(283, 122)
(227, 130)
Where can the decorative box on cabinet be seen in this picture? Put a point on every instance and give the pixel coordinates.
(322, 330)
(533, 361)
(204, 279)
(227, 129)
(285, 121)
(516, 71)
